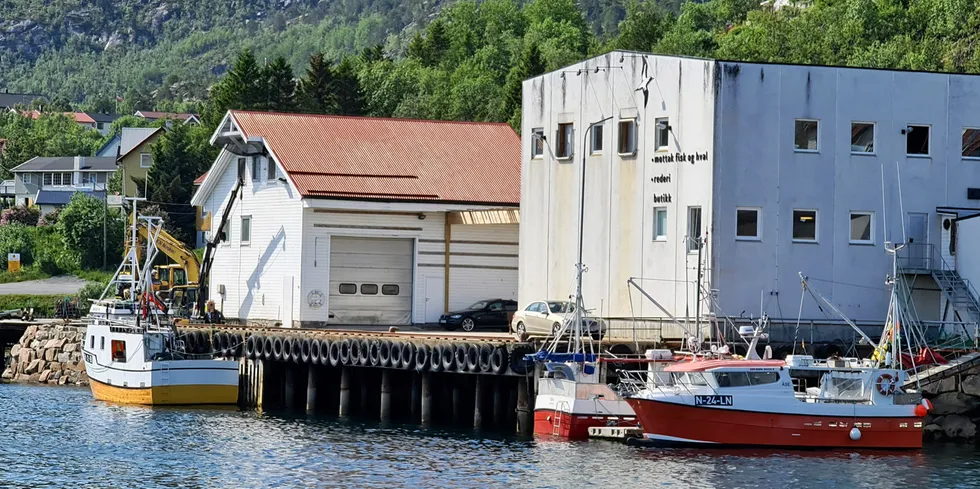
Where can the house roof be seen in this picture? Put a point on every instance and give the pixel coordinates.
(97, 117)
(66, 163)
(134, 137)
(391, 159)
(199, 180)
(61, 197)
(79, 117)
(148, 114)
(9, 100)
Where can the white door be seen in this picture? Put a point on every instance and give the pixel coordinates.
(287, 301)
(371, 280)
(918, 240)
(435, 298)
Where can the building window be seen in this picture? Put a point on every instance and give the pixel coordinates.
(46, 179)
(804, 225)
(27, 178)
(537, 142)
(862, 137)
(748, 224)
(627, 137)
(256, 168)
(369, 289)
(659, 223)
(246, 229)
(241, 168)
(693, 228)
(270, 169)
(565, 140)
(389, 289)
(663, 133)
(917, 140)
(146, 160)
(806, 133)
(100, 125)
(596, 140)
(348, 289)
(861, 225)
(971, 142)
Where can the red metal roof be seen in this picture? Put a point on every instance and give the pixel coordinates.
(199, 180)
(392, 159)
(149, 114)
(79, 117)
(705, 365)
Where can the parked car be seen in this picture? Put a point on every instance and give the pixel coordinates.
(545, 318)
(492, 313)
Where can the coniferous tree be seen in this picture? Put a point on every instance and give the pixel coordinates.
(170, 181)
(316, 88)
(242, 88)
(347, 87)
(529, 66)
(280, 86)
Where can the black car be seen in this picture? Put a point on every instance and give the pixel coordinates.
(493, 313)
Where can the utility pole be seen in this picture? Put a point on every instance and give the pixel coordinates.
(105, 212)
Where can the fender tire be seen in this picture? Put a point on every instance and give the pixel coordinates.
(287, 349)
(435, 359)
(353, 352)
(374, 353)
(268, 348)
(460, 354)
(384, 353)
(395, 354)
(486, 354)
(498, 360)
(250, 348)
(313, 355)
(363, 352)
(278, 348)
(297, 353)
(472, 358)
(518, 364)
(325, 346)
(238, 346)
(422, 358)
(449, 357)
(408, 356)
(343, 352)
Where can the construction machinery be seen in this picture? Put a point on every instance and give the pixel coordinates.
(183, 273)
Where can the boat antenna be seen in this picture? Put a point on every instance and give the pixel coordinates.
(884, 207)
(901, 204)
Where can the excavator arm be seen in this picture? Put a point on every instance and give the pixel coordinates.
(176, 251)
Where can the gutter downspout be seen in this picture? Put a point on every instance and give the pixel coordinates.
(448, 234)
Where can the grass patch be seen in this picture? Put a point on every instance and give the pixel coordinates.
(99, 276)
(43, 304)
(25, 274)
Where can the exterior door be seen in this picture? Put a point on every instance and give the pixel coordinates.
(434, 299)
(918, 240)
(948, 243)
(287, 301)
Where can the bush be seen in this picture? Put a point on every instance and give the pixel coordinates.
(27, 216)
(80, 225)
(91, 290)
(17, 238)
(49, 219)
(50, 254)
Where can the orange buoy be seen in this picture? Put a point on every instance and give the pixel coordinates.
(920, 410)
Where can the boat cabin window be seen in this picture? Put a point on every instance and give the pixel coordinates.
(118, 351)
(741, 379)
(102, 342)
(689, 378)
(91, 342)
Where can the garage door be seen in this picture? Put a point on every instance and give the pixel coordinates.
(370, 280)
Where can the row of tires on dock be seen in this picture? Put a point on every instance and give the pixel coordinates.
(220, 344)
(443, 357)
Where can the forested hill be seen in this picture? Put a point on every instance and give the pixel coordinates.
(174, 49)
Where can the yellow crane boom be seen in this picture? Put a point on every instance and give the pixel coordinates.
(176, 251)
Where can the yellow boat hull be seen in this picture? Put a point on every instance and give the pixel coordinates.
(166, 394)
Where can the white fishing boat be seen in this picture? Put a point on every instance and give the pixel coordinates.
(133, 353)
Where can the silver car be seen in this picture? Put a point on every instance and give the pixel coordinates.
(544, 318)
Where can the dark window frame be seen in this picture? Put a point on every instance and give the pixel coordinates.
(386, 287)
(341, 287)
(365, 287)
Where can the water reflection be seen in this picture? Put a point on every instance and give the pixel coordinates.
(59, 437)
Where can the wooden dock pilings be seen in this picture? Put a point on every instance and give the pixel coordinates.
(476, 382)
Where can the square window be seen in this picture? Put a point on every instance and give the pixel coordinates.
(596, 139)
(348, 289)
(861, 225)
(246, 230)
(804, 225)
(565, 140)
(627, 137)
(270, 169)
(27, 178)
(805, 135)
(917, 140)
(693, 228)
(369, 289)
(663, 133)
(747, 224)
(659, 223)
(47, 178)
(389, 289)
(971, 142)
(146, 160)
(256, 168)
(862, 137)
(537, 142)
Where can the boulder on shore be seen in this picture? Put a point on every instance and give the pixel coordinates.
(956, 426)
(954, 403)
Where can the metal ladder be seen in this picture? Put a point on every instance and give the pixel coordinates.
(958, 293)
(559, 414)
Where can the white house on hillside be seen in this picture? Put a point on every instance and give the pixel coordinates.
(351, 220)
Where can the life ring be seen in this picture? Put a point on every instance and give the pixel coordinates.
(885, 383)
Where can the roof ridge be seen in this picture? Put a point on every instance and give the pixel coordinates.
(363, 117)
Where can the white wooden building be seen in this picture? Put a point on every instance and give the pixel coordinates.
(346, 220)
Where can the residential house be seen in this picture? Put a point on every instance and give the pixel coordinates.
(132, 150)
(8, 101)
(49, 182)
(357, 220)
(103, 122)
(81, 118)
(185, 118)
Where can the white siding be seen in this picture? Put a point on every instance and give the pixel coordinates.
(253, 274)
(483, 264)
(967, 259)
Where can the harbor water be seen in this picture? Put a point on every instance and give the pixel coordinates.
(57, 437)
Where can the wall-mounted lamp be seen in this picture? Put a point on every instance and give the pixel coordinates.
(907, 129)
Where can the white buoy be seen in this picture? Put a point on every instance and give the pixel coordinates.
(855, 434)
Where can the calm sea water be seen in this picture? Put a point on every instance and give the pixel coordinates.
(61, 438)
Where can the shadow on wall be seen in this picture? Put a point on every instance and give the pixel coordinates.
(274, 248)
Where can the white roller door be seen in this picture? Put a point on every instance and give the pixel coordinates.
(371, 280)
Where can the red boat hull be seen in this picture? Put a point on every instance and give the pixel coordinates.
(684, 424)
(548, 422)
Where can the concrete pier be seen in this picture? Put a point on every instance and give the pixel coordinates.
(345, 384)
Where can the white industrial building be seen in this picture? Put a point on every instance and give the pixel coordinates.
(351, 220)
(779, 169)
